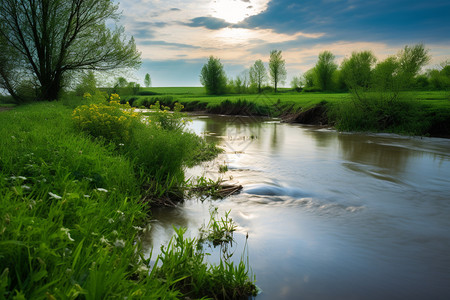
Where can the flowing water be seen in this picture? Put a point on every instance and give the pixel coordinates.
(329, 215)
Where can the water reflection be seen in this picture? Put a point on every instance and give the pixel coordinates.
(365, 150)
(331, 215)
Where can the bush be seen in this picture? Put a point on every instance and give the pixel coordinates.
(311, 89)
(112, 121)
(380, 112)
(169, 121)
(147, 93)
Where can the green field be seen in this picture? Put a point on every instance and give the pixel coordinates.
(437, 99)
(412, 113)
(176, 90)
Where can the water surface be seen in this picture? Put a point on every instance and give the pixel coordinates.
(329, 215)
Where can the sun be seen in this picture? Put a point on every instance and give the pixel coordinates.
(234, 11)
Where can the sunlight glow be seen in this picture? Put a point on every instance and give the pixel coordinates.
(234, 11)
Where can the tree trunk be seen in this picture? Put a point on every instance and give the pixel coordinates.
(50, 88)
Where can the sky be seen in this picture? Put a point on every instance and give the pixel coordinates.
(176, 37)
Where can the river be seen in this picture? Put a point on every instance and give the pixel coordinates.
(329, 215)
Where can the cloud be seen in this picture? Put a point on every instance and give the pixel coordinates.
(163, 43)
(168, 37)
(350, 19)
(208, 22)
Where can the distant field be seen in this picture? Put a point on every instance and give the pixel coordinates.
(436, 99)
(176, 90)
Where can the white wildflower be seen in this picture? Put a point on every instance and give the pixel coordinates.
(102, 190)
(66, 231)
(54, 195)
(115, 232)
(119, 243)
(25, 187)
(142, 269)
(87, 196)
(138, 228)
(103, 240)
(110, 221)
(21, 177)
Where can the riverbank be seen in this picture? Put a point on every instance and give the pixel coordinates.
(423, 113)
(74, 205)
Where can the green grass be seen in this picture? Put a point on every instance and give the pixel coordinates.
(71, 214)
(175, 90)
(418, 112)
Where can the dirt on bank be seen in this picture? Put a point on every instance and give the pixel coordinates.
(5, 108)
(316, 115)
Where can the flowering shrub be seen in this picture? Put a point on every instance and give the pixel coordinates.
(114, 97)
(112, 121)
(168, 120)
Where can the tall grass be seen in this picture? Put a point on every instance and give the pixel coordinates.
(182, 267)
(382, 112)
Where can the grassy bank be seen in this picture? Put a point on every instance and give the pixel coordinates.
(73, 205)
(412, 113)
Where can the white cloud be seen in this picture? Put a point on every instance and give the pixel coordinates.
(164, 31)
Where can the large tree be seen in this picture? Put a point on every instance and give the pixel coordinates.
(50, 40)
(213, 77)
(277, 68)
(356, 71)
(324, 70)
(411, 59)
(258, 74)
(397, 72)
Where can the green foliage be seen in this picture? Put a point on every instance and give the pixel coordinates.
(385, 76)
(88, 84)
(168, 101)
(309, 78)
(324, 70)
(258, 75)
(147, 80)
(183, 269)
(277, 68)
(411, 59)
(218, 232)
(296, 83)
(223, 168)
(240, 107)
(356, 71)
(125, 88)
(70, 216)
(174, 120)
(213, 77)
(440, 79)
(121, 82)
(381, 112)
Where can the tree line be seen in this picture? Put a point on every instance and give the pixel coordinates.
(360, 71)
